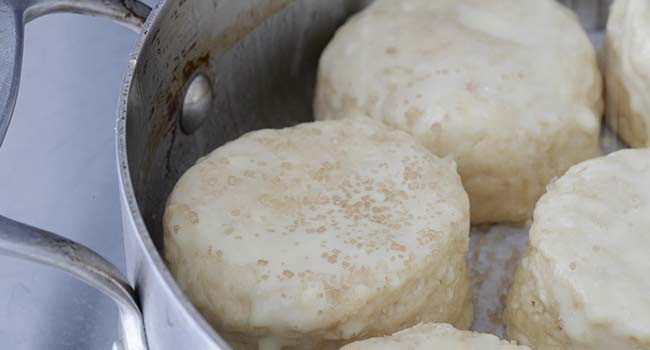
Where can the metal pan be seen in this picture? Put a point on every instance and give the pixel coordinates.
(202, 73)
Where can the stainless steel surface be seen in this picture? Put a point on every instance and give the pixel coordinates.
(30, 243)
(41, 246)
(57, 171)
(129, 13)
(11, 38)
(38, 245)
(197, 103)
(260, 57)
(15, 13)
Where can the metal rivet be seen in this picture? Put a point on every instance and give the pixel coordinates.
(197, 103)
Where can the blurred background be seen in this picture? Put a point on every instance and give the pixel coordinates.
(58, 172)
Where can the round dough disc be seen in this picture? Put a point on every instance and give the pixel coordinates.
(317, 235)
(510, 89)
(585, 280)
(628, 71)
(434, 337)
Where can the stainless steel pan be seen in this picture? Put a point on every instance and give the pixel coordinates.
(202, 73)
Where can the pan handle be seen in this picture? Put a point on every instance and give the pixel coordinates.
(30, 243)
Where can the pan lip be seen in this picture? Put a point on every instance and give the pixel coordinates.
(129, 201)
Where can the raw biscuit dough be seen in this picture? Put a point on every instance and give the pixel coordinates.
(314, 236)
(434, 337)
(628, 71)
(585, 280)
(509, 88)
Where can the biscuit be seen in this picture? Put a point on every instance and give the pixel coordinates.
(510, 89)
(434, 337)
(584, 281)
(314, 236)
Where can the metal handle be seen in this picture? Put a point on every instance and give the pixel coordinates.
(37, 245)
(30, 243)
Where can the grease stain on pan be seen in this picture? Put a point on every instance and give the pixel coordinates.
(173, 101)
(166, 124)
(174, 97)
(247, 21)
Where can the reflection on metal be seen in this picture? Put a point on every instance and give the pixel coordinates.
(40, 246)
(197, 103)
(37, 245)
(14, 14)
